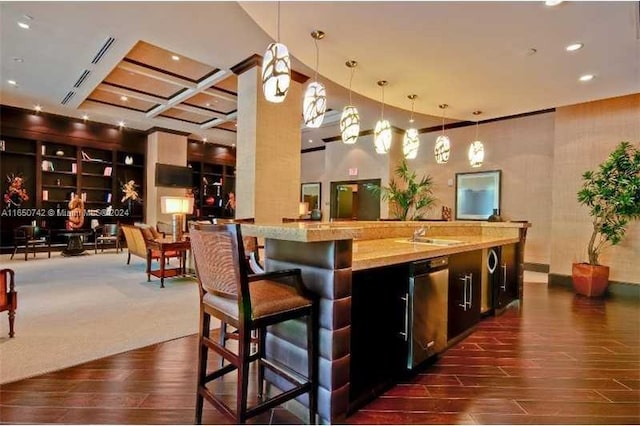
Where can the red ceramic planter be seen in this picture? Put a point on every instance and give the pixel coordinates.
(590, 280)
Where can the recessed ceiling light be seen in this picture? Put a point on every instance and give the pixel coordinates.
(586, 77)
(17, 59)
(573, 47)
(552, 2)
(411, 120)
(38, 108)
(233, 145)
(23, 25)
(310, 140)
(204, 139)
(121, 123)
(12, 82)
(124, 98)
(235, 124)
(207, 104)
(85, 117)
(175, 57)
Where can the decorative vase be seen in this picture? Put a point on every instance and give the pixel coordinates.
(590, 280)
(209, 201)
(316, 214)
(128, 160)
(495, 217)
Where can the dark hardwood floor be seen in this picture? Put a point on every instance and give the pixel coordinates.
(561, 359)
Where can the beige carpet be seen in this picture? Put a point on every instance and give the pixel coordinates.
(73, 310)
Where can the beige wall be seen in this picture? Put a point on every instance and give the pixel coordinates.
(165, 148)
(522, 148)
(585, 134)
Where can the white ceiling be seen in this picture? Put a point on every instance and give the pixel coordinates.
(470, 55)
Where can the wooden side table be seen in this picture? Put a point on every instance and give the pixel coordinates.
(163, 246)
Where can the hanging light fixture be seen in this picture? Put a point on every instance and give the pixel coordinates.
(276, 69)
(382, 131)
(315, 97)
(350, 119)
(476, 150)
(411, 142)
(443, 145)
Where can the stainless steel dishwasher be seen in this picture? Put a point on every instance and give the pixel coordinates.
(426, 309)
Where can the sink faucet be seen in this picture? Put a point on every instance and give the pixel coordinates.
(420, 232)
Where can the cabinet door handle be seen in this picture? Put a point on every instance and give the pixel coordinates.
(463, 305)
(504, 277)
(405, 333)
(470, 302)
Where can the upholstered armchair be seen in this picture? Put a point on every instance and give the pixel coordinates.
(8, 296)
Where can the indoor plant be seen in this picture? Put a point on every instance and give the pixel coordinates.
(612, 193)
(407, 196)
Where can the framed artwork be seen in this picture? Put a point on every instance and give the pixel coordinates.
(477, 194)
(311, 193)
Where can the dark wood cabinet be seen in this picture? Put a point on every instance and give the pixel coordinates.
(505, 277)
(212, 184)
(464, 292)
(378, 330)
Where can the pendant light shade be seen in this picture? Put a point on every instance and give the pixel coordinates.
(276, 73)
(350, 119)
(350, 124)
(382, 136)
(314, 103)
(476, 149)
(442, 148)
(411, 142)
(476, 154)
(276, 70)
(382, 132)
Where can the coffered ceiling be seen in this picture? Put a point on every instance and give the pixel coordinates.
(503, 58)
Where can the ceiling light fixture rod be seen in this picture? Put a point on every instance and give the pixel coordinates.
(352, 65)
(443, 107)
(278, 25)
(477, 114)
(413, 101)
(317, 35)
(382, 84)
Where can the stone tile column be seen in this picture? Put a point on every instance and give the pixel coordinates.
(267, 148)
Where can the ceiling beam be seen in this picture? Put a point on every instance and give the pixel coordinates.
(156, 75)
(199, 111)
(219, 94)
(181, 97)
(218, 121)
(131, 94)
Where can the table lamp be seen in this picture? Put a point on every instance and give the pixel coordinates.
(177, 207)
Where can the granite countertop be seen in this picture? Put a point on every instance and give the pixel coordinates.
(371, 230)
(390, 251)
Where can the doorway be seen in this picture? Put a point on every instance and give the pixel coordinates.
(355, 200)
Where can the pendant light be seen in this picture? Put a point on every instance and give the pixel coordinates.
(350, 119)
(443, 145)
(411, 142)
(276, 69)
(476, 150)
(382, 131)
(315, 97)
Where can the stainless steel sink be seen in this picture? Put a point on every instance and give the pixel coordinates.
(432, 241)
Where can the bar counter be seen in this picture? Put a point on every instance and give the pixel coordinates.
(329, 255)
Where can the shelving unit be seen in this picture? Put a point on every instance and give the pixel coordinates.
(212, 183)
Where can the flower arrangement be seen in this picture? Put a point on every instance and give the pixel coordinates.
(130, 190)
(16, 193)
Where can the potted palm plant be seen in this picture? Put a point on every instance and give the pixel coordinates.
(408, 196)
(612, 193)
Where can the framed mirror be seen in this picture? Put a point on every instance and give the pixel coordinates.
(477, 194)
(310, 193)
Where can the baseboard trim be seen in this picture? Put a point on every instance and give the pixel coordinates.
(617, 289)
(536, 267)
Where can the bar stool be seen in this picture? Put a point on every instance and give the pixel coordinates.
(248, 302)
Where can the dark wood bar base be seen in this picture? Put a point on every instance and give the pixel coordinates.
(560, 359)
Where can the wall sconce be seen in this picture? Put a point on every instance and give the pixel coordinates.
(177, 207)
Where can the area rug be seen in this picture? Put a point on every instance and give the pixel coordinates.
(77, 309)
